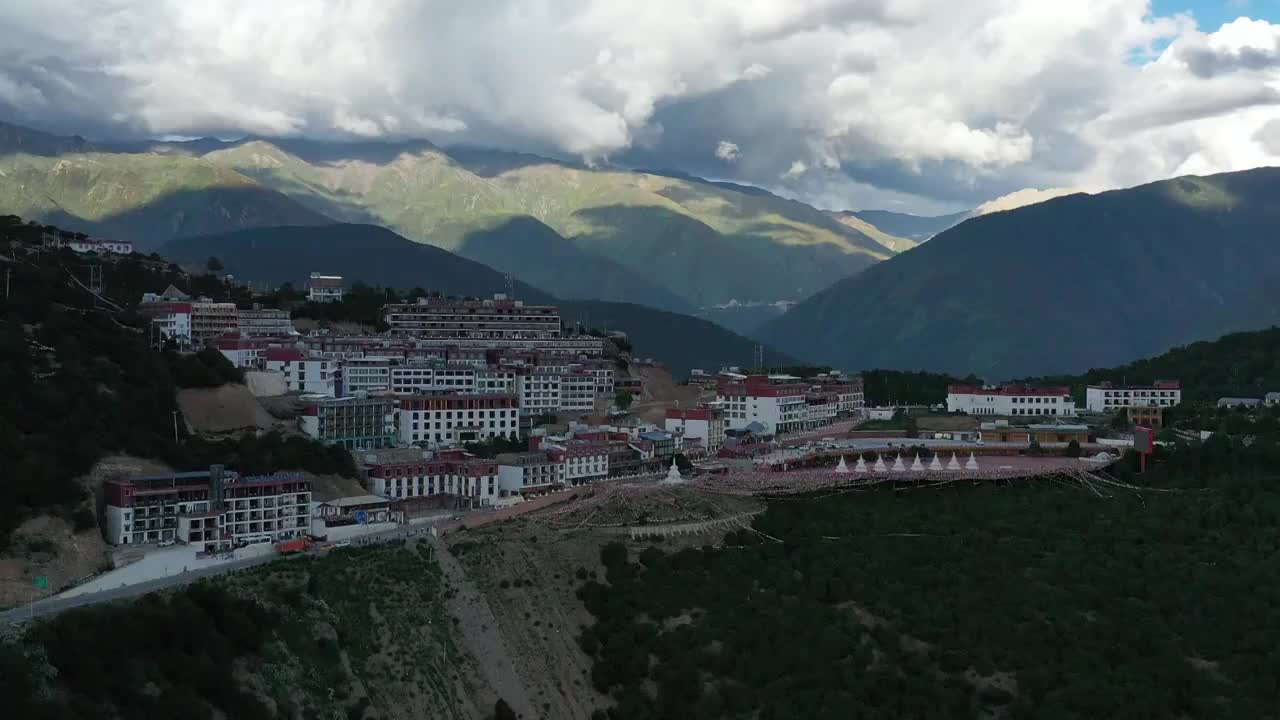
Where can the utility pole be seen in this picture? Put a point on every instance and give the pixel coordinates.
(175, 427)
(7, 273)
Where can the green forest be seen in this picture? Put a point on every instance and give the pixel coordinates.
(1245, 364)
(903, 387)
(83, 380)
(1030, 600)
(336, 636)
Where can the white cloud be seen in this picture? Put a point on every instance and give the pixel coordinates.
(944, 102)
(727, 151)
(797, 169)
(1022, 198)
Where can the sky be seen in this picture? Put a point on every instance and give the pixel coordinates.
(913, 105)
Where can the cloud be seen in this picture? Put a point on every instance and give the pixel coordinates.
(797, 169)
(1022, 198)
(727, 151)
(925, 102)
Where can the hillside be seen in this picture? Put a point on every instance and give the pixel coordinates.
(367, 253)
(1244, 364)
(892, 242)
(377, 256)
(676, 242)
(534, 252)
(144, 197)
(672, 231)
(917, 228)
(680, 342)
(1072, 283)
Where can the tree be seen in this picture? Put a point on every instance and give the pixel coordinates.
(213, 265)
(683, 463)
(1120, 420)
(622, 399)
(912, 426)
(503, 711)
(1073, 449)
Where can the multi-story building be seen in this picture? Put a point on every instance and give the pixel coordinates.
(1148, 416)
(324, 288)
(171, 319)
(577, 392)
(457, 418)
(356, 422)
(215, 510)
(1107, 397)
(439, 317)
(529, 472)
(265, 322)
(704, 424)
(776, 402)
(539, 392)
(210, 320)
(418, 377)
(1010, 400)
(584, 461)
(367, 374)
(662, 444)
(240, 351)
(312, 376)
(52, 237)
(404, 473)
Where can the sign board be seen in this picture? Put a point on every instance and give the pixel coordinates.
(362, 517)
(41, 582)
(1143, 440)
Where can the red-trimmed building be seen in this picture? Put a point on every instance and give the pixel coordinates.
(705, 424)
(457, 418)
(406, 473)
(775, 402)
(216, 510)
(1011, 400)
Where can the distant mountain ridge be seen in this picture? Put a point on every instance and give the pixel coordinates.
(378, 256)
(1071, 283)
(917, 228)
(660, 238)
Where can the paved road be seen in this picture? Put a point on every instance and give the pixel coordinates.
(52, 606)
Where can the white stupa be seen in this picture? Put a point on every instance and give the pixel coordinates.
(842, 468)
(673, 475)
(879, 466)
(972, 463)
(953, 464)
(916, 466)
(860, 466)
(935, 464)
(897, 464)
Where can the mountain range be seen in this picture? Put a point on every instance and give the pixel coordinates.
(1057, 287)
(377, 256)
(665, 239)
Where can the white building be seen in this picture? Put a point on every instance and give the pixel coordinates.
(324, 288)
(776, 401)
(266, 322)
(1011, 400)
(584, 461)
(402, 473)
(458, 418)
(577, 392)
(365, 375)
(501, 317)
(705, 424)
(214, 511)
(1272, 399)
(529, 472)
(311, 376)
(1107, 397)
(539, 392)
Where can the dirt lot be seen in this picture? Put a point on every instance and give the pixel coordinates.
(527, 573)
(49, 546)
(661, 392)
(223, 409)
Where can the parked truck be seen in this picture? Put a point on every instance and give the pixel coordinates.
(296, 545)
